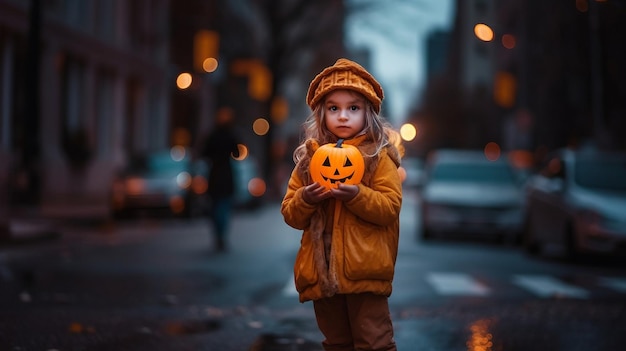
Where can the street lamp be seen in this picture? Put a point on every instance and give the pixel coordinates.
(483, 32)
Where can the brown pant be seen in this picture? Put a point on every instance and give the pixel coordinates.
(355, 322)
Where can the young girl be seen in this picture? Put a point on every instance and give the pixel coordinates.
(349, 244)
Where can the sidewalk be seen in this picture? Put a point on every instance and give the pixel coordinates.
(27, 224)
(22, 231)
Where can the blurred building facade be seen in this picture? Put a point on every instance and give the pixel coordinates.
(87, 84)
(267, 53)
(84, 84)
(550, 76)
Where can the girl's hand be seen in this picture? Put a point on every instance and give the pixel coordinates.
(315, 193)
(345, 192)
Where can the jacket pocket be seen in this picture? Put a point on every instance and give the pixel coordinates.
(304, 270)
(369, 254)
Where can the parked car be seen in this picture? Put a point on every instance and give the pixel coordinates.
(576, 204)
(165, 180)
(171, 180)
(466, 193)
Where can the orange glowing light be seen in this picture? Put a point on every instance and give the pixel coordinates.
(481, 339)
(492, 151)
(508, 41)
(184, 81)
(210, 65)
(505, 89)
(134, 185)
(261, 126)
(483, 32)
(206, 44)
(243, 152)
(177, 204)
(181, 136)
(521, 159)
(256, 187)
(199, 185)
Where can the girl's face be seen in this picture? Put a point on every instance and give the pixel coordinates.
(344, 112)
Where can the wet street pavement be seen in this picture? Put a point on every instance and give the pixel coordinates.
(157, 284)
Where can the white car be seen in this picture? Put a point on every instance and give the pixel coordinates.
(576, 205)
(467, 193)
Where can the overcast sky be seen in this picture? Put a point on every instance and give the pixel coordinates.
(399, 64)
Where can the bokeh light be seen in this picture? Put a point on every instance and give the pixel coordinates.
(177, 153)
(508, 41)
(210, 64)
(243, 152)
(261, 126)
(408, 132)
(483, 32)
(505, 89)
(492, 151)
(135, 186)
(181, 136)
(521, 159)
(184, 81)
(256, 187)
(481, 339)
(199, 185)
(177, 204)
(183, 179)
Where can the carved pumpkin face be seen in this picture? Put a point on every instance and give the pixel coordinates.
(332, 164)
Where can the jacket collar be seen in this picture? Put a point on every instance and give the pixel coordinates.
(357, 140)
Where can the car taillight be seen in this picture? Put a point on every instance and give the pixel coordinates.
(134, 185)
(199, 185)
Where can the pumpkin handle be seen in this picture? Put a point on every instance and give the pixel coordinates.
(339, 143)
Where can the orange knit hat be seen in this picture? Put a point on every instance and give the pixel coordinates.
(345, 74)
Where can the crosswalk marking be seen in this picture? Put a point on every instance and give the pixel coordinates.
(546, 286)
(456, 284)
(462, 284)
(618, 284)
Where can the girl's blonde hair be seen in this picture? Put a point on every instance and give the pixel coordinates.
(377, 129)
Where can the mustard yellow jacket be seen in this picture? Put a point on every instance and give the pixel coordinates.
(364, 231)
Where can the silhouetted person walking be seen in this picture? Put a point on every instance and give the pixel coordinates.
(219, 149)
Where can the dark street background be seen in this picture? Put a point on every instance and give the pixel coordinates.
(157, 284)
(93, 93)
